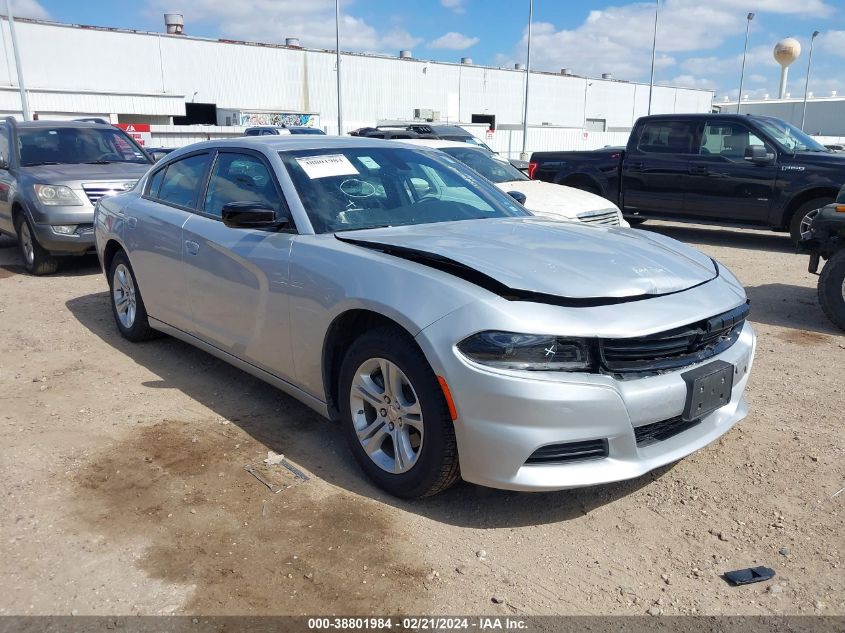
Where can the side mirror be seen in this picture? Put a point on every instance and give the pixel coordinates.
(251, 215)
(518, 196)
(157, 156)
(758, 155)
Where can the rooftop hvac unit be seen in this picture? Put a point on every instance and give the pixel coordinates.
(405, 55)
(565, 71)
(424, 114)
(292, 42)
(607, 75)
(466, 60)
(175, 23)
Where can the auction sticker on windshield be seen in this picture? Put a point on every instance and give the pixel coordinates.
(326, 166)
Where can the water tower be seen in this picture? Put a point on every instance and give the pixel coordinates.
(786, 52)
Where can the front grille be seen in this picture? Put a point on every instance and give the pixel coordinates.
(601, 218)
(569, 452)
(663, 430)
(674, 348)
(98, 190)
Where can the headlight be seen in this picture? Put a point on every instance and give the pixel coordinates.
(57, 195)
(528, 352)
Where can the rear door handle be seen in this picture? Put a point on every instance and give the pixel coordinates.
(192, 248)
(699, 170)
(635, 165)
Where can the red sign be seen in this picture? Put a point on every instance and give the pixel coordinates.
(140, 132)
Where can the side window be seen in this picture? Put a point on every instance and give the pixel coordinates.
(729, 140)
(667, 137)
(239, 178)
(182, 180)
(5, 144)
(155, 183)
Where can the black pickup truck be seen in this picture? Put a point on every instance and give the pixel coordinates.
(726, 169)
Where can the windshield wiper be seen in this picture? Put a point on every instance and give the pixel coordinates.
(98, 162)
(43, 162)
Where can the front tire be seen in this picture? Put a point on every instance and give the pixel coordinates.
(799, 226)
(395, 416)
(832, 289)
(128, 308)
(36, 259)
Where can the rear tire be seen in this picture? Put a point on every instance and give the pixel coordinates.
(799, 224)
(36, 259)
(832, 289)
(128, 308)
(402, 419)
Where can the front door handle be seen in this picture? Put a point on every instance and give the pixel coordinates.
(636, 165)
(192, 248)
(698, 170)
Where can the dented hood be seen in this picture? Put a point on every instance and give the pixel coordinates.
(559, 259)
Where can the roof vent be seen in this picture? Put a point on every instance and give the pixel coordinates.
(766, 97)
(607, 75)
(745, 97)
(405, 54)
(466, 60)
(293, 42)
(810, 95)
(832, 93)
(519, 66)
(788, 95)
(175, 23)
(566, 71)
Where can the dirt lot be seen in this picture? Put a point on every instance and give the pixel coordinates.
(124, 490)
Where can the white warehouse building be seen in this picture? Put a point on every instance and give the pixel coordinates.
(189, 88)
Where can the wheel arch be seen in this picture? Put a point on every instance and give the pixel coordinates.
(805, 196)
(112, 248)
(341, 333)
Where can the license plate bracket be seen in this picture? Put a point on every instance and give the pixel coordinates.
(708, 388)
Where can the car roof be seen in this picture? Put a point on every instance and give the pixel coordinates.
(67, 124)
(290, 142)
(441, 144)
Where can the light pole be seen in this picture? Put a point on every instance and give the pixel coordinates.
(653, 53)
(744, 53)
(807, 80)
(27, 115)
(337, 63)
(524, 154)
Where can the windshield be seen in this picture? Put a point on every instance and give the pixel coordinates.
(490, 166)
(790, 137)
(74, 145)
(469, 140)
(344, 189)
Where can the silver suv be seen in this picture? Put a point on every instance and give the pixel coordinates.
(52, 173)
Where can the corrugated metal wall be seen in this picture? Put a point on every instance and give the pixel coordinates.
(253, 77)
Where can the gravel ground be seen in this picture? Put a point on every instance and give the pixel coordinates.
(125, 491)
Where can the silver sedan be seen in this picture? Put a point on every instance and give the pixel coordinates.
(450, 332)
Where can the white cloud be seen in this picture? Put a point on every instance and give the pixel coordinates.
(691, 81)
(458, 6)
(27, 9)
(618, 39)
(313, 22)
(454, 41)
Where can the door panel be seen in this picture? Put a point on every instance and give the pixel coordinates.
(654, 173)
(722, 184)
(153, 235)
(238, 286)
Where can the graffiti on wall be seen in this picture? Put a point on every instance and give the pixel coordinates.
(278, 118)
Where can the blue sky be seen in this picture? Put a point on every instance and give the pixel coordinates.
(699, 42)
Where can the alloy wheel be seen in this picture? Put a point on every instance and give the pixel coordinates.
(26, 243)
(387, 415)
(807, 222)
(123, 295)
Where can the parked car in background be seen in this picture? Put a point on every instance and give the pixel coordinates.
(372, 132)
(275, 130)
(541, 198)
(449, 133)
(52, 173)
(826, 241)
(451, 333)
(717, 168)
